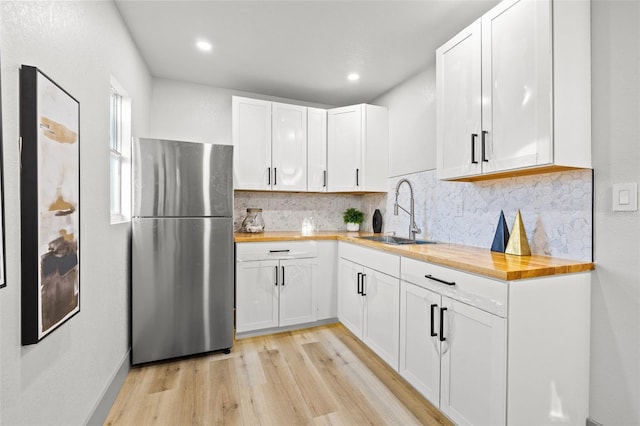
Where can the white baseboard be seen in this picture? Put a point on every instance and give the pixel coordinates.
(108, 397)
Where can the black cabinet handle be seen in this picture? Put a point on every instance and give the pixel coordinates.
(279, 251)
(276, 275)
(268, 175)
(357, 177)
(275, 175)
(433, 308)
(484, 150)
(359, 278)
(442, 338)
(473, 148)
(324, 178)
(283, 276)
(431, 277)
(363, 284)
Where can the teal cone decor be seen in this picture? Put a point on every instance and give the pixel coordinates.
(502, 235)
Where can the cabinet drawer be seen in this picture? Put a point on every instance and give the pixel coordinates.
(484, 293)
(246, 252)
(375, 259)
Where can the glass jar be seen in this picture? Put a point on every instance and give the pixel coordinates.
(253, 222)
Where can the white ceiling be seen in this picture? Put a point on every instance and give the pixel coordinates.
(299, 49)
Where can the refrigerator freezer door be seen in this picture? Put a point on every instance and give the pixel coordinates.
(182, 287)
(172, 178)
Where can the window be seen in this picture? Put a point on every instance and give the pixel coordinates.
(120, 154)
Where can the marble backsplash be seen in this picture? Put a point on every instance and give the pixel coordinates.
(556, 209)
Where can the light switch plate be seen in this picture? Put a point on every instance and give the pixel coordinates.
(625, 197)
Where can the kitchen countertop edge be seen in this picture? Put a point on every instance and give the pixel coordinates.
(466, 258)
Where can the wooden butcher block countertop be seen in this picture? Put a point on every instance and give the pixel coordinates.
(466, 258)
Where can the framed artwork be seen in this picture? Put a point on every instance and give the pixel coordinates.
(50, 204)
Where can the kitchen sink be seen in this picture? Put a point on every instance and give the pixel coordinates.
(390, 239)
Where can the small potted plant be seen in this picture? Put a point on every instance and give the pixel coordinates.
(353, 218)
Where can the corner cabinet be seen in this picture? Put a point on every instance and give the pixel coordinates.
(513, 92)
(358, 149)
(270, 144)
(316, 150)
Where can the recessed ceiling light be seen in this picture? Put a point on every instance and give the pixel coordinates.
(204, 45)
(353, 76)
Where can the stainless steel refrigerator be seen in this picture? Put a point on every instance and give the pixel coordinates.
(182, 249)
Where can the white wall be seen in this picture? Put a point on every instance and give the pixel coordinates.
(79, 45)
(615, 323)
(198, 113)
(412, 124)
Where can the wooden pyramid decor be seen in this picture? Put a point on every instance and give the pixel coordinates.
(502, 235)
(518, 243)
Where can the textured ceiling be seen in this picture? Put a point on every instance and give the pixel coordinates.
(296, 49)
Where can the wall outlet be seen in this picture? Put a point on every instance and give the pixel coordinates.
(457, 208)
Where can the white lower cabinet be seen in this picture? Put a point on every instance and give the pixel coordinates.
(276, 284)
(454, 354)
(275, 293)
(369, 300)
(490, 352)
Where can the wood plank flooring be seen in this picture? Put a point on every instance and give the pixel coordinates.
(317, 376)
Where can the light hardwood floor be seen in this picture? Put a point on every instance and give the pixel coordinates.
(317, 376)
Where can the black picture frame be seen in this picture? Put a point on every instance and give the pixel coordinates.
(50, 205)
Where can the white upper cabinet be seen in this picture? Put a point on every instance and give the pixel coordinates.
(358, 149)
(458, 107)
(251, 128)
(316, 150)
(289, 147)
(270, 145)
(514, 92)
(283, 147)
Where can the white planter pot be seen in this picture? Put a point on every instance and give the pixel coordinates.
(353, 227)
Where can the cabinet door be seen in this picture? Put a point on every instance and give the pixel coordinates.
(316, 150)
(382, 315)
(251, 143)
(458, 106)
(516, 84)
(473, 365)
(344, 149)
(289, 145)
(419, 349)
(297, 291)
(350, 301)
(256, 295)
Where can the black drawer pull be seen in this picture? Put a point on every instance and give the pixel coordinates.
(276, 275)
(279, 251)
(433, 308)
(442, 338)
(359, 278)
(431, 277)
(283, 276)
